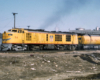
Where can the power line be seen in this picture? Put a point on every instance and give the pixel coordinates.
(2, 28)
(5, 19)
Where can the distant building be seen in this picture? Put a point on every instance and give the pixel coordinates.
(97, 28)
(80, 29)
(96, 31)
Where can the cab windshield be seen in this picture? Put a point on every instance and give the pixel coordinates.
(14, 30)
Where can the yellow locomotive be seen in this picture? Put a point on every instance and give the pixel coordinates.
(88, 41)
(29, 39)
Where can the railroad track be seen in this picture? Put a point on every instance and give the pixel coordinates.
(50, 51)
(42, 51)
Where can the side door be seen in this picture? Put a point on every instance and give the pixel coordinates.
(23, 37)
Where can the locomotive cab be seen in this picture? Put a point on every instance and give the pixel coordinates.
(12, 38)
(16, 30)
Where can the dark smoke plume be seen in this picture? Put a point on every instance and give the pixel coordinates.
(68, 7)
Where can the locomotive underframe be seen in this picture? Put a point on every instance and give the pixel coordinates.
(31, 47)
(52, 46)
(88, 46)
(14, 47)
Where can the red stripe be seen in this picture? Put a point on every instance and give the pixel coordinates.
(38, 43)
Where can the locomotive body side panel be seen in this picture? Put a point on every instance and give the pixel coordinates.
(75, 39)
(51, 38)
(95, 39)
(92, 39)
(85, 39)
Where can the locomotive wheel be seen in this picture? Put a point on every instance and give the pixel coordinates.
(12, 49)
(69, 47)
(41, 47)
(61, 48)
(28, 48)
(73, 48)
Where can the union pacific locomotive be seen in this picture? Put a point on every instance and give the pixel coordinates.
(88, 41)
(28, 39)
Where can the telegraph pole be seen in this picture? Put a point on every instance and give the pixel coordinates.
(14, 18)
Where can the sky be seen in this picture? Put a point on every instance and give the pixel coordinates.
(50, 15)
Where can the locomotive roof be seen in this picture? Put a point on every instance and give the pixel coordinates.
(59, 32)
(35, 29)
(79, 32)
(42, 30)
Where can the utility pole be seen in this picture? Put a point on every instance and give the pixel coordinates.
(14, 18)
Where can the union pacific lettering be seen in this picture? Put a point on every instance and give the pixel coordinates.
(87, 40)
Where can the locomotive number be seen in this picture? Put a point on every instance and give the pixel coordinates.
(16, 36)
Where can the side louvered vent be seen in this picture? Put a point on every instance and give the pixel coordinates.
(28, 36)
(68, 37)
(58, 37)
(46, 37)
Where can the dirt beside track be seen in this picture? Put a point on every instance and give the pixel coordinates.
(49, 66)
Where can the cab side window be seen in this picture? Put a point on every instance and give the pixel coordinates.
(20, 31)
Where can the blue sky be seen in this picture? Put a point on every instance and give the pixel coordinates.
(50, 14)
